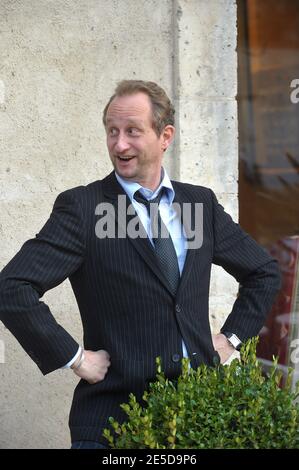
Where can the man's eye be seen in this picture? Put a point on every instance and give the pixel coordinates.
(133, 131)
(112, 131)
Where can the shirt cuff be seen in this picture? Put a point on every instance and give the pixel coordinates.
(68, 365)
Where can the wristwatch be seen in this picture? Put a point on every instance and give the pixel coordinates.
(233, 340)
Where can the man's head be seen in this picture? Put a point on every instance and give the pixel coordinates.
(139, 123)
(162, 108)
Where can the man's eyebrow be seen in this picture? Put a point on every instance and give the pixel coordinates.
(130, 122)
(138, 123)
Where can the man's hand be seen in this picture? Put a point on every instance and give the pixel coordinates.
(222, 346)
(94, 366)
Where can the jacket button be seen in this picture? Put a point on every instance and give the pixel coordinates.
(176, 357)
(177, 308)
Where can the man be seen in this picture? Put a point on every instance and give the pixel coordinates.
(139, 296)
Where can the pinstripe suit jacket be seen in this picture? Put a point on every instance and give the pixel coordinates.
(125, 303)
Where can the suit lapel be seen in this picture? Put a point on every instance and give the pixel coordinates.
(112, 190)
(181, 198)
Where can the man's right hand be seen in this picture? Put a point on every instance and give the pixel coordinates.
(94, 367)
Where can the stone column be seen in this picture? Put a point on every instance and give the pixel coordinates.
(205, 87)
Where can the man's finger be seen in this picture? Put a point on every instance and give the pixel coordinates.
(102, 351)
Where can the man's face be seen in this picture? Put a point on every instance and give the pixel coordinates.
(135, 149)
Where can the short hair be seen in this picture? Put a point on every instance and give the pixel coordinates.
(162, 108)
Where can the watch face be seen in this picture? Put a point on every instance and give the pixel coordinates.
(234, 340)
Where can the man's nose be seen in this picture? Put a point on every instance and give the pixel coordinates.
(122, 143)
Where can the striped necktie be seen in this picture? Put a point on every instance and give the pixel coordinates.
(164, 248)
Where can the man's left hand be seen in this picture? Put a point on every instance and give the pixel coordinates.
(222, 346)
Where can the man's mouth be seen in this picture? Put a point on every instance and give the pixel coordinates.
(124, 159)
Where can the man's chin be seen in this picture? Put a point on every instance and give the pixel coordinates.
(125, 169)
(125, 173)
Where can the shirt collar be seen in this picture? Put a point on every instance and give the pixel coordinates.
(130, 187)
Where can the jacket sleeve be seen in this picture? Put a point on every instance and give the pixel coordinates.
(41, 264)
(251, 265)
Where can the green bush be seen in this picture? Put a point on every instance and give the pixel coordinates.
(233, 406)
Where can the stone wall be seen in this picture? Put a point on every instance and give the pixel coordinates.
(60, 61)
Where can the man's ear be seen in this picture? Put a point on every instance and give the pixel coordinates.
(167, 136)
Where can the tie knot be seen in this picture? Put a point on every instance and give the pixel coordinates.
(138, 196)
